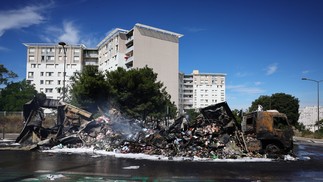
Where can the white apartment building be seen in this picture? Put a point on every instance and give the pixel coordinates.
(136, 48)
(198, 90)
(45, 66)
(308, 116)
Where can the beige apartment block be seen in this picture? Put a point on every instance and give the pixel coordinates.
(143, 46)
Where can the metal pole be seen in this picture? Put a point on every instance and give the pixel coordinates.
(63, 44)
(318, 104)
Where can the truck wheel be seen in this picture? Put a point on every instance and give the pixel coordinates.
(272, 149)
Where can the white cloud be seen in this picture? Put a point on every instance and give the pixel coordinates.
(258, 83)
(3, 48)
(70, 33)
(22, 18)
(305, 72)
(271, 69)
(245, 89)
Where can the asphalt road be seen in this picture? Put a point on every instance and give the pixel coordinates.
(36, 166)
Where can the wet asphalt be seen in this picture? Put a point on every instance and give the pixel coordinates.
(37, 166)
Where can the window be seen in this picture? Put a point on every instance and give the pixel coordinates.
(50, 58)
(49, 50)
(48, 90)
(42, 58)
(280, 123)
(49, 82)
(41, 82)
(249, 124)
(76, 50)
(41, 73)
(49, 73)
(76, 59)
(31, 50)
(30, 74)
(33, 65)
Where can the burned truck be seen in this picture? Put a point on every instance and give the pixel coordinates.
(266, 132)
(271, 129)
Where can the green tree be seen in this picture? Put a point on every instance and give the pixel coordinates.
(237, 114)
(5, 75)
(192, 114)
(137, 93)
(89, 89)
(282, 102)
(15, 95)
(263, 100)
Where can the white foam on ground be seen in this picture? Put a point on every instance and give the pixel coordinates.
(95, 153)
(131, 167)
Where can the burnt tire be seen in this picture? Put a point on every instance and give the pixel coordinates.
(272, 149)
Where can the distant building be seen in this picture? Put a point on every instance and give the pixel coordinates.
(308, 116)
(45, 66)
(136, 48)
(198, 90)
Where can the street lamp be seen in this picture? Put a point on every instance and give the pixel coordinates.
(318, 96)
(63, 44)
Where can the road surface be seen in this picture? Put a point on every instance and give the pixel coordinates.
(36, 166)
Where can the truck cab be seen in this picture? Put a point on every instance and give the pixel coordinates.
(271, 129)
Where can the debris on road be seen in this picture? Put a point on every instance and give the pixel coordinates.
(213, 134)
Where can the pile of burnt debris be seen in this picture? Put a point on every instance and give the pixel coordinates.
(213, 134)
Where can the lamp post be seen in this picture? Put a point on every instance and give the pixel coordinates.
(63, 44)
(318, 96)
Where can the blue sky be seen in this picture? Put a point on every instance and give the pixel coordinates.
(264, 46)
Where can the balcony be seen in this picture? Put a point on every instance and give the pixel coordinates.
(129, 50)
(129, 64)
(129, 59)
(129, 39)
(91, 55)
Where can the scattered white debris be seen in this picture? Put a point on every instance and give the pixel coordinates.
(53, 177)
(131, 167)
(289, 158)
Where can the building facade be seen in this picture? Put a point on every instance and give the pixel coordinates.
(143, 46)
(45, 66)
(136, 48)
(308, 116)
(198, 90)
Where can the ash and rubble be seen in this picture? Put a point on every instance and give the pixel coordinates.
(213, 134)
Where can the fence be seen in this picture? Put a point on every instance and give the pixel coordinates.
(11, 113)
